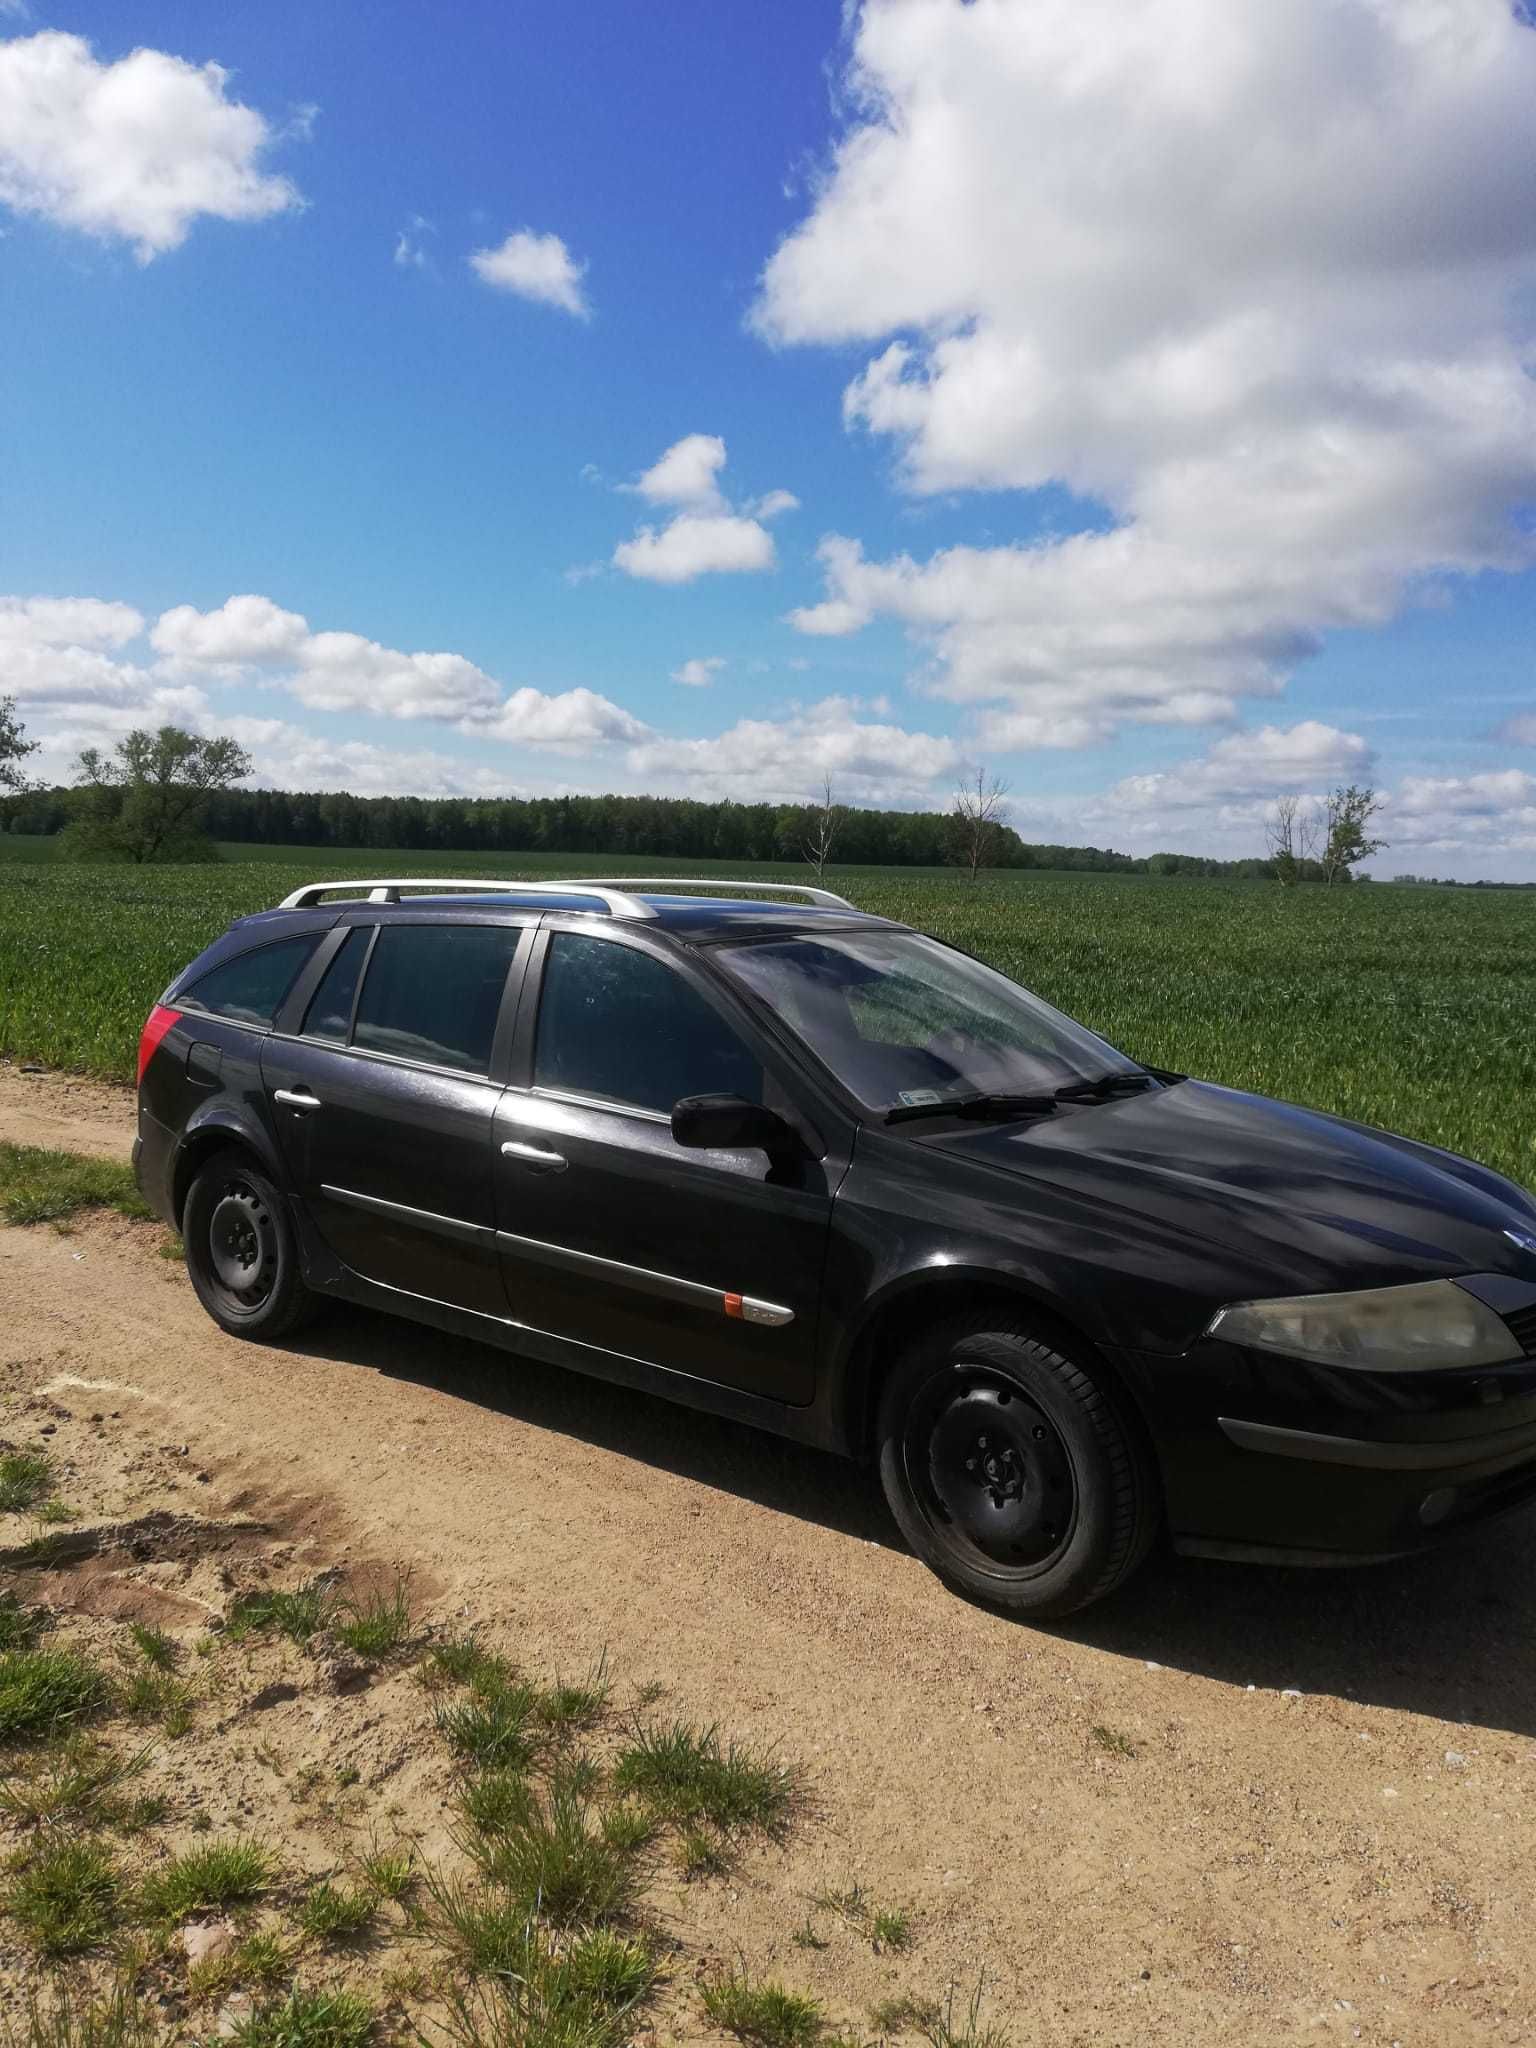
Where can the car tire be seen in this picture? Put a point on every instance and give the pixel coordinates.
(242, 1255)
(1013, 1470)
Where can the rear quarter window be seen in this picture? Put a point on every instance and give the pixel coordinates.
(250, 988)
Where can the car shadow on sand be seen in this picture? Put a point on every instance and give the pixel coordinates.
(1450, 1634)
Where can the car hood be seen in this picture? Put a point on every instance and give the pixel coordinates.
(1318, 1202)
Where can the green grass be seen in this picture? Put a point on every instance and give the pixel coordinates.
(686, 1776)
(389, 1873)
(153, 1645)
(79, 1785)
(332, 1912)
(1403, 1007)
(553, 1860)
(495, 1728)
(327, 2017)
(38, 1185)
(231, 1873)
(66, 1898)
(298, 1614)
(585, 1995)
(378, 1623)
(19, 1626)
(25, 1478)
(763, 2012)
(45, 1692)
(67, 2016)
(1111, 1740)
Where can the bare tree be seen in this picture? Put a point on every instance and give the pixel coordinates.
(826, 818)
(977, 816)
(1291, 837)
(1348, 842)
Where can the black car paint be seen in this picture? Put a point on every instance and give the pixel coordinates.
(1124, 1223)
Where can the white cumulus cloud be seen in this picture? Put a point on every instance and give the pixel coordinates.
(247, 629)
(787, 759)
(1249, 767)
(706, 536)
(1244, 279)
(700, 672)
(537, 267)
(138, 149)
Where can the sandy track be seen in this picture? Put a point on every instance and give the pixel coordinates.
(1356, 1863)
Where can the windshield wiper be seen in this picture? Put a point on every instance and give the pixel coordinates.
(1102, 1086)
(976, 1106)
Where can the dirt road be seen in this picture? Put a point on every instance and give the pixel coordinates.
(1326, 1831)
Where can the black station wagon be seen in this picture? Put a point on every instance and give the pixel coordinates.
(813, 1170)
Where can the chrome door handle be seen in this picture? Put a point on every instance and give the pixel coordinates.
(535, 1155)
(291, 1098)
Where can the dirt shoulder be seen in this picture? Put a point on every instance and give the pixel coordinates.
(40, 1107)
(1325, 1827)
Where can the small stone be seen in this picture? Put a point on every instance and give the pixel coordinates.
(49, 1429)
(234, 2013)
(1454, 1759)
(1153, 1667)
(1290, 1692)
(204, 1941)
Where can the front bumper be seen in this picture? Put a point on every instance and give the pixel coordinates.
(1278, 1460)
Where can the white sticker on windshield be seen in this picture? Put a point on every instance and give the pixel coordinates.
(919, 1098)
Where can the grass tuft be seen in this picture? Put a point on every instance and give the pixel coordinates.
(39, 1185)
(464, 1660)
(333, 1913)
(1112, 1740)
(700, 1854)
(298, 1615)
(686, 1776)
(905, 2015)
(153, 1644)
(583, 1997)
(943, 2031)
(763, 2012)
(316, 2018)
(564, 1708)
(25, 1478)
(72, 2019)
(19, 1626)
(228, 1873)
(389, 1873)
(379, 1623)
(43, 1692)
(65, 1899)
(492, 1730)
(553, 1862)
(78, 1785)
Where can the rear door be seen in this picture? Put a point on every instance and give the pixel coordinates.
(612, 1235)
(383, 1092)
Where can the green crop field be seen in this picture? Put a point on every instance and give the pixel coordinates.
(1408, 1007)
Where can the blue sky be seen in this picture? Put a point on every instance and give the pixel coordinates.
(1153, 387)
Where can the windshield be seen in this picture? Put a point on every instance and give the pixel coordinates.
(903, 1022)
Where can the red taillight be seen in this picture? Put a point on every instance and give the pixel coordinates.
(156, 1025)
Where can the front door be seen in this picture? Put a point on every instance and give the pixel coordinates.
(384, 1104)
(617, 1238)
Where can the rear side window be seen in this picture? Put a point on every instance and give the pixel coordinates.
(250, 988)
(330, 1007)
(617, 1023)
(433, 993)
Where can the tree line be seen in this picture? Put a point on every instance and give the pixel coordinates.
(171, 795)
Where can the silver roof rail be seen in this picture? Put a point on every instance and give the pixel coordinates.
(615, 900)
(615, 894)
(666, 883)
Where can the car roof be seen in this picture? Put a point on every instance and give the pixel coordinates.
(694, 919)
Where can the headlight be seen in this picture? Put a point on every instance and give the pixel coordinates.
(1427, 1326)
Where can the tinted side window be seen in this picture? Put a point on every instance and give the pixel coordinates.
(615, 1022)
(330, 1007)
(250, 988)
(433, 993)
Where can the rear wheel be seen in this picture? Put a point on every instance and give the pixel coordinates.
(1012, 1470)
(241, 1251)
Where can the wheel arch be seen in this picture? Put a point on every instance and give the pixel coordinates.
(219, 1133)
(910, 1307)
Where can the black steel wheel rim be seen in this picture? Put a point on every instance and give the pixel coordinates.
(991, 1474)
(242, 1244)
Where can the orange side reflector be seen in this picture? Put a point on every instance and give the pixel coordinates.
(732, 1305)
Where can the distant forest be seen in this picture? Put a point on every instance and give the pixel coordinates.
(668, 827)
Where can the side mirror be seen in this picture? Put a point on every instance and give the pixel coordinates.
(729, 1123)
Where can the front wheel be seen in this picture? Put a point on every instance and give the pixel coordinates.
(1012, 1471)
(242, 1256)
